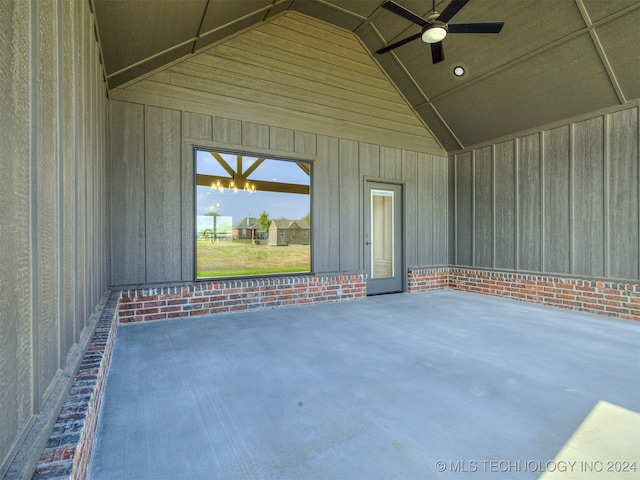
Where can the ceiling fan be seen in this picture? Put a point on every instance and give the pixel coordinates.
(436, 27)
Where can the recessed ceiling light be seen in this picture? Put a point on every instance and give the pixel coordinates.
(458, 71)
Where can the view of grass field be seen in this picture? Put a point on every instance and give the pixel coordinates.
(232, 258)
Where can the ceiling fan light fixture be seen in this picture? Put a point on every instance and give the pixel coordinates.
(434, 32)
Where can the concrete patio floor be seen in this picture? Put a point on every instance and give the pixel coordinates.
(384, 387)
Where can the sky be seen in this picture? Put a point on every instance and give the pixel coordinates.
(244, 204)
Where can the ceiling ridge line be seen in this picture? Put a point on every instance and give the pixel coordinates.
(595, 39)
(360, 18)
(343, 10)
(152, 57)
(237, 20)
(326, 24)
(323, 24)
(567, 38)
(199, 32)
(270, 9)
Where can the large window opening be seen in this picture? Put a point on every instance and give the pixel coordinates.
(253, 215)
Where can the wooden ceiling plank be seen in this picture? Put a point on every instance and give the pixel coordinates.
(159, 94)
(297, 99)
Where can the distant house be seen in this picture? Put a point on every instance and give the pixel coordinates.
(248, 229)
(285, 232)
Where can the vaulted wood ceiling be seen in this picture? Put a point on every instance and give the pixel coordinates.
(554, 59)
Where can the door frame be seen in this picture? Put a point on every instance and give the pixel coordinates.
(402, 231)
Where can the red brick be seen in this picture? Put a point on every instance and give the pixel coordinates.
(171, 296)
(130, 306)
(566, 297)
(618, 298)
(175, 308)
(198, 299)
(158, 303)
(129, 320)
(609, 303)
(64, 454)
(221, 309)
(148, 298)
(617, 310)
(178, 301)
(157, 316)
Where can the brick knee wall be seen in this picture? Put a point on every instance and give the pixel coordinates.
(422, 279)
(204, 298)
(68, 451)
(619, 299)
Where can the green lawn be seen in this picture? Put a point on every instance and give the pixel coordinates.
(226, 259)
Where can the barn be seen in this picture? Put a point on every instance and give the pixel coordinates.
(491, 161)
(285, 232)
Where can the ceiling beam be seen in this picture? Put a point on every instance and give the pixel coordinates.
(202, 34)
(601, 53)
(199, 34)
(204, 180)
(223, 164)
(253, 166)
(151, 57)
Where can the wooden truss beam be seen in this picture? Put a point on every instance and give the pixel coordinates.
(261, 185)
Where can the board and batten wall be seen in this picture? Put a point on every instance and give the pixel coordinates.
(292, 87)
(53, 246)
(152, 190)
(562, 200)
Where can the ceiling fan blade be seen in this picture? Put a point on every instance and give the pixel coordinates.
(403, 12)
(453, 8)
(437, 52)
(477, 27)
(400, 43)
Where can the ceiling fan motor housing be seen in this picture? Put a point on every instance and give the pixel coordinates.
(434, 32)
